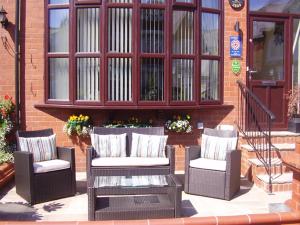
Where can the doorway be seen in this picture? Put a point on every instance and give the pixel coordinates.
(267, 75)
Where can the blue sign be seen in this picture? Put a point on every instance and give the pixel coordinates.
(236, 46)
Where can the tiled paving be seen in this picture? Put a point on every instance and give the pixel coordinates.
(249, 200)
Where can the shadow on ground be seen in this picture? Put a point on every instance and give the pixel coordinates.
(81, 187)
(187, 209)
(18, 211)
(6, 189)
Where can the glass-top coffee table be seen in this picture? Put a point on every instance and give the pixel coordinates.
(134, 197)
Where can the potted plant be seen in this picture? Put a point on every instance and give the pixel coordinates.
(294, 111)
(132, 122)
(7, 108)
(78, 125)
(179, 124)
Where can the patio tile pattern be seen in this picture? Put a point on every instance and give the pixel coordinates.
(250, 200)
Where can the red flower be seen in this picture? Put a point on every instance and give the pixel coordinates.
(3, 113)
(7, 97)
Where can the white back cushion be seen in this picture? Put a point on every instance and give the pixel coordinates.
(42, 148)
(112, 145)
(216, 147)
(148, 145)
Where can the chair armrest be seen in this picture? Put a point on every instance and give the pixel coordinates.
(24, 175)
(191, 152)
(233, 173)
(233, 160)
(68, 154)
(170, 153)
(89, 158)
(23, 162)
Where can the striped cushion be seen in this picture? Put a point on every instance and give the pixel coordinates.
(216, 147)
(148, 145)
(42, 148)
(112, 145)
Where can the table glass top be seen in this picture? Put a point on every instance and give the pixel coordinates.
(131, 181)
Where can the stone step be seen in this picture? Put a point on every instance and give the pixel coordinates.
(277, 178)
(280, 182)
(273, 134)
(258, 167)
(277, 147)
(257, 162)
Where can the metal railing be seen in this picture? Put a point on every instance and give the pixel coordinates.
(255, 122)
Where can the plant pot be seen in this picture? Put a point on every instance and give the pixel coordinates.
(7, 172)
(294, 125)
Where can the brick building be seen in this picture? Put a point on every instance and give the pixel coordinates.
(152, 59)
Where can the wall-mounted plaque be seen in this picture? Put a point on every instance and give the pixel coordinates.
(237, 4)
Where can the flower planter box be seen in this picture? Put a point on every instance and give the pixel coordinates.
(294, 125)
(7, 173)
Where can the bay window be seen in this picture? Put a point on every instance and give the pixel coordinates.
(134, 52)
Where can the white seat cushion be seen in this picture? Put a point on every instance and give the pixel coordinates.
(130, 161)
(50, 165)
(209, 164)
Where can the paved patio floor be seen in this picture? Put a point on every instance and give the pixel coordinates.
(249, 200)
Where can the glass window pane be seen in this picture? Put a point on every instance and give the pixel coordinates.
(182, 80)
(120, 1)
(119, 79)
(58, 1)
(296, 52)
(88, 72)
(152, 80)
(210, 81)
(152, 1)
(152, 30)
(210, 34)
(88, 30)
(214, 4)
(59, 30)
(268, 50)
(286, 6)
(185, 1)
(59, 78)
(119, 30)
(183, 32)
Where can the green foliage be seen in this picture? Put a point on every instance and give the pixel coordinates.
(179, 124)
(5, 157)
(7, 108)
(132, 122)
(78, 125)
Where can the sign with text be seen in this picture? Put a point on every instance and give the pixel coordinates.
(236, 67)
(235, 46)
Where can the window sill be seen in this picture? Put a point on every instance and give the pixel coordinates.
(58, 106)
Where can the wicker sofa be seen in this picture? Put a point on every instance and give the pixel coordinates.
(135, 168)
(37, 187)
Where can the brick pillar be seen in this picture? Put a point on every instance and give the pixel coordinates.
(292, 161)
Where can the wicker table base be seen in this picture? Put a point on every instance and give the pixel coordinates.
(107, 203)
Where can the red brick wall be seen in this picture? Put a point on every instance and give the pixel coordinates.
(32, 66)
(7, 49)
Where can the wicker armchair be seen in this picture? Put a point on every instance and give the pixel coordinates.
(213, 178)
(41, 187)
(129, 170)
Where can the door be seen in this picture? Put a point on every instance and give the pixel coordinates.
(267, 69)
